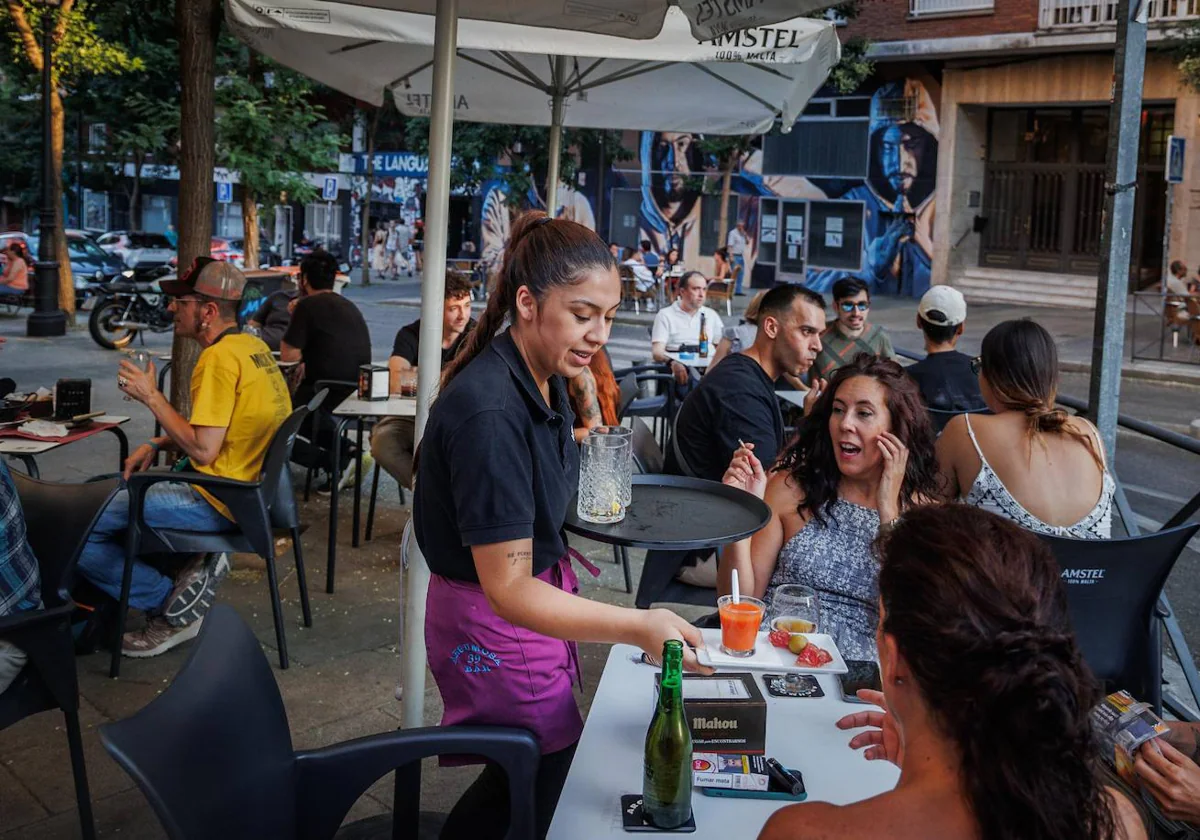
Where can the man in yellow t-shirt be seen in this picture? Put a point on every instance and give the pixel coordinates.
(239, 400)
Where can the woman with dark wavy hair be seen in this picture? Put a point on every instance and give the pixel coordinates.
(1029, 461)
(862, 457)
(987, 697)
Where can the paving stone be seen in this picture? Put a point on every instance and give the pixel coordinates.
(18, 807)
(46, 771)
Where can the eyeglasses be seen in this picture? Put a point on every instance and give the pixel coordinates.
(977, 365)
(182, 300)
(850, 306)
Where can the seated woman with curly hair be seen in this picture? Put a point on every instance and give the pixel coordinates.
(987, 699)
(862, 457)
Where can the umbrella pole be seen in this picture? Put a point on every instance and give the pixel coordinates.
(429, 355)
(556, 121)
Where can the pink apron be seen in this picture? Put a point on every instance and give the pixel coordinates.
(491, 672)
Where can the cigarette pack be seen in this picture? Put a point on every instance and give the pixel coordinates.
(732, 772)
(726, 713)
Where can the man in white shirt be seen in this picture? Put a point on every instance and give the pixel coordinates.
(681, 322)
(736, 242)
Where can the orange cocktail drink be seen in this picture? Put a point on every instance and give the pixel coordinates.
(739, 624)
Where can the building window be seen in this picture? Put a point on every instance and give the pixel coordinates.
(156, 213)
(710, 222)
(323, 222)
(623, 224)
(830, 148)
(229, 220)
(835, 238)
(97, 138)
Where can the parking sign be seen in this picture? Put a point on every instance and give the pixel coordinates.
(224, 193)
(330, 190)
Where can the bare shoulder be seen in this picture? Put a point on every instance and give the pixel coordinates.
(783, 493)
(806, 821)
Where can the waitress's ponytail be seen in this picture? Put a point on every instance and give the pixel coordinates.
(541, 253)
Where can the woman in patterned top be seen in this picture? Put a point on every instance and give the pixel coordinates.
(862, 457)
(1029, 461)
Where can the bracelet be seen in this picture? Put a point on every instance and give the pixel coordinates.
(885, 528)
(156, 447)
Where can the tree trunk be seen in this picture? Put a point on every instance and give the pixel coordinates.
(250, 229)
(366, 199)
(66, 283)
(726, 181)
(198, 24)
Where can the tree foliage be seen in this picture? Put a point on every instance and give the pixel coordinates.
(1185, 46)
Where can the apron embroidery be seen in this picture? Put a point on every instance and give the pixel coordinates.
(477, 660)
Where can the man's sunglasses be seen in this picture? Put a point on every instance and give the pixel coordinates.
(850, 306)
(977, 365)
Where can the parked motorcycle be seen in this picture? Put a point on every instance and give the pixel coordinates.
(126, 305)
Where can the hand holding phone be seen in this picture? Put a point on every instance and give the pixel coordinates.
(860, 674)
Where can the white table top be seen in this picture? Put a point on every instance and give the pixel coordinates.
(794, 397)
(695, 361)
(395, 406)
(800, 733)
(25, 446)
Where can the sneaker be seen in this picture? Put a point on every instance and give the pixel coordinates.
(195, 589)
(158, 636)
(368, 464)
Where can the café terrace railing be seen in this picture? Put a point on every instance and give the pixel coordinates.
(1166, 615)
(1077, 14)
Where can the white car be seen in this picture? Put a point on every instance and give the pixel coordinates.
(138, 250)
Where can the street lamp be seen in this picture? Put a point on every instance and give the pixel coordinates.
(47, 319)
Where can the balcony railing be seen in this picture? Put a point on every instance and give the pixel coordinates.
(1076, 14)
(928, 8)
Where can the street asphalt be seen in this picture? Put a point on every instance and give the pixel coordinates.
(343, 679)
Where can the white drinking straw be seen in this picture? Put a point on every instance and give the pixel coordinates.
(737, 590)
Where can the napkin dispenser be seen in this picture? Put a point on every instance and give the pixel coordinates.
(72, 397)
(372, 382)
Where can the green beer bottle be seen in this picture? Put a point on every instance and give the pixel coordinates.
(667, 780)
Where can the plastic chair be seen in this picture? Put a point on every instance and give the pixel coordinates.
(258, 507)
(58, 518)
(213, 753)
(1113, 588)
(721, 290)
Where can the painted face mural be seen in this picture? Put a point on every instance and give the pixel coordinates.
(671, 163)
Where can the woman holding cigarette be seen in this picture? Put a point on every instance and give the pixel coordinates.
(497, 468)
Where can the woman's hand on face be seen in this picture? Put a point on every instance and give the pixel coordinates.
(882, 740)
(746, 472)
(895, 463)
(660, 625)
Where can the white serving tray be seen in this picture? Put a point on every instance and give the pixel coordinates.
(767, 657)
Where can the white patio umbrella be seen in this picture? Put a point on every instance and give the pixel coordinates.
(739, 82)
(638, 19)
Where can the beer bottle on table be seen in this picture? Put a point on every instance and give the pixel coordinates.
(703, 338)
(667, 780)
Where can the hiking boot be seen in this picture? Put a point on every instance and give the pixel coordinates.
(157, 637)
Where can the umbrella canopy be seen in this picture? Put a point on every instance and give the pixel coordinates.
(639, 19)
(738, 83)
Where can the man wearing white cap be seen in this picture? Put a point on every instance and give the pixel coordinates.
(239, 400)
(944, 375)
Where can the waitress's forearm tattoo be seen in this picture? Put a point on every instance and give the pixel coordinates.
(520, 555)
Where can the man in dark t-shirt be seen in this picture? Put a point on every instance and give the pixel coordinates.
(735, 401)
(392, 439)
(944, 375)
(273, 317)
(329, 336)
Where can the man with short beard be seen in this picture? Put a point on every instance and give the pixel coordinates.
(239, 401)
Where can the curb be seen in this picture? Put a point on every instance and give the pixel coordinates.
(1173, 377)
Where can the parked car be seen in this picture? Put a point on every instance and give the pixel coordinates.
(229, 250)
(89, 262)
(138, 251)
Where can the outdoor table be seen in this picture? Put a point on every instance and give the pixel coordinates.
(801, 734)
(352, 409)
(694, 362)
(26, 450)
(796, 398)
(677, 513)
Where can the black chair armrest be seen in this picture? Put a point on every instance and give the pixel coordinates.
(245, 501)
(12, 626)
(331, 779)
(658, 367)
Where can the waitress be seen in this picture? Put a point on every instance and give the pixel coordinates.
(498, 467)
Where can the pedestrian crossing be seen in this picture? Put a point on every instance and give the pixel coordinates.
(625, 352)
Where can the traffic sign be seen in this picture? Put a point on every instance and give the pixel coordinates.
(330, 190)
(224, 192)
(1176, 152)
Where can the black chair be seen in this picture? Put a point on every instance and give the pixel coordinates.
(1113, 588)
(629, 392)
(213, 753)
(647, 455)
(58, 518)
(258, 508)
(339, 389)
(660, 407)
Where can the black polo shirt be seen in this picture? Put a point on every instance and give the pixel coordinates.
(496, 464)
(734, 401)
